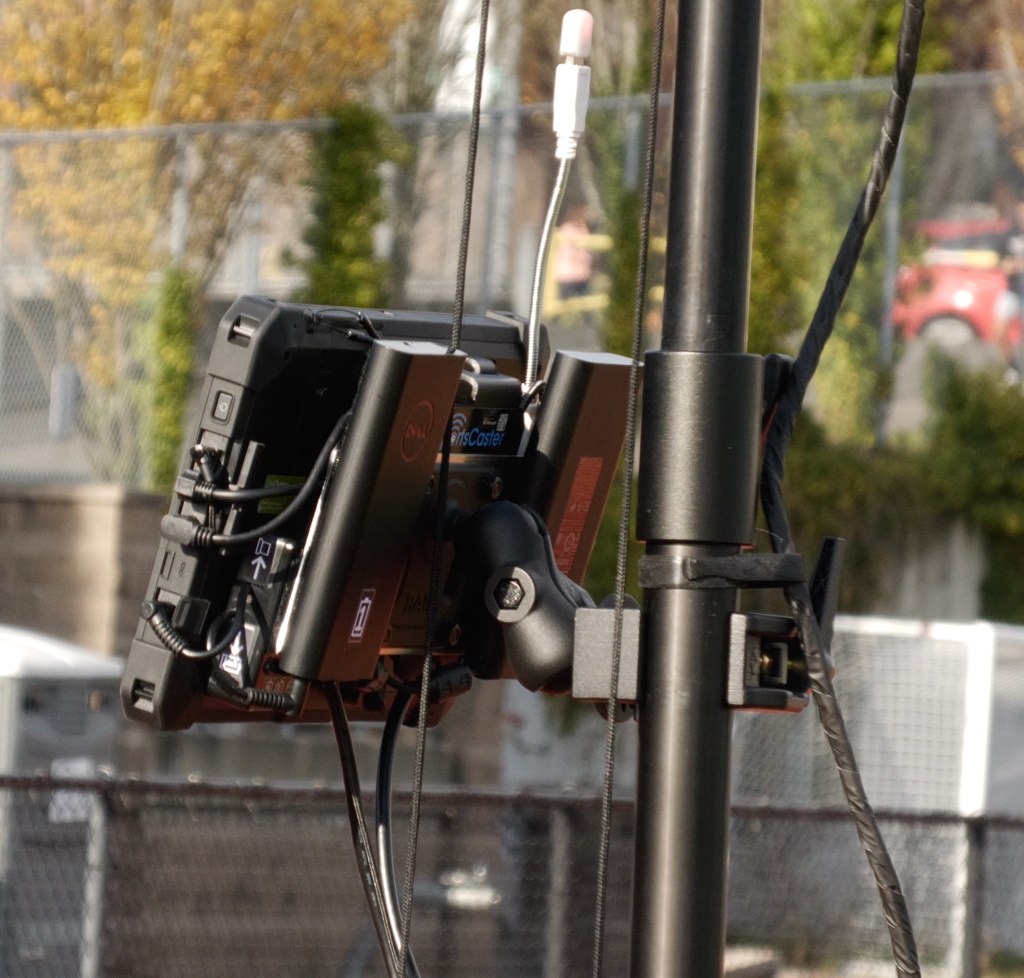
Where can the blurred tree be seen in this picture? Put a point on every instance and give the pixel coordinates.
(427, 47)
(341, 268)
(1006, 51)
(620, 56)
(74, 64)
(780, 257)
(966, 463)
(814, 155)
(169, 370)
(972, 466)
(71, 64)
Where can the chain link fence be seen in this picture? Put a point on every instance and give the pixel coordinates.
(88, 223)
(89, 220)
(146, 880)
(166, 875)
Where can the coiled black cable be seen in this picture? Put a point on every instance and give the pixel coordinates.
(790, 402)
(245, 695)
(154, 613)
(267, 699)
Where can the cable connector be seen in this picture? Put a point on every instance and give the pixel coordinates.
(191, 486)
(211, 465)
(572, 83)
(185, 532)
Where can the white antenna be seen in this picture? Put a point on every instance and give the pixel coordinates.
(572, 93)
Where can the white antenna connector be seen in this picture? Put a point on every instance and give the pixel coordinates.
(572, 83)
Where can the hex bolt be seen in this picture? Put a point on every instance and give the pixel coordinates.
(492, 486)
(509, 594)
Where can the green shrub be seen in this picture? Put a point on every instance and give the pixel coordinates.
(170, 373)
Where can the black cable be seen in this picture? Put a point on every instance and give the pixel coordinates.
(213, 645)
(532, 393)
(203, 492)
(189, 533)
(398, 685)
(369, 326)
(245, 695)
(305, 493)
(622, 548)
(382, 812)
(894, 904)
(357, 824)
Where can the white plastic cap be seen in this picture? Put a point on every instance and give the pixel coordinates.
(577, 33)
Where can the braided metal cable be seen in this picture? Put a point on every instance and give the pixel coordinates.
(894, 904)
(467, 201)
(628, 464)
(433, 595)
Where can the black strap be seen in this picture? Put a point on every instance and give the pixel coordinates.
(658, 572)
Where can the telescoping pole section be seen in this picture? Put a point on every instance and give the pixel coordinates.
(698, 474)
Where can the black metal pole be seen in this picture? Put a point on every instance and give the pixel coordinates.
(698, 473)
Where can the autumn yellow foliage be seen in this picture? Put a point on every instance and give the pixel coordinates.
(99, 212)
(81, 64)
(97, 64)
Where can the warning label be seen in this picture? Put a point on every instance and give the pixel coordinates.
(581, 497)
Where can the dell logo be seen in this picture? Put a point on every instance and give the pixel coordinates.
(417, 430)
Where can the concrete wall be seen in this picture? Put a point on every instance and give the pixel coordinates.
(76, 560)
(76, 564)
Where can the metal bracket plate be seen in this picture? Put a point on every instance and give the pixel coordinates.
(592, 654)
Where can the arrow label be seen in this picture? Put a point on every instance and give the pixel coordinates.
(257, 569)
